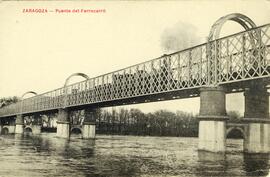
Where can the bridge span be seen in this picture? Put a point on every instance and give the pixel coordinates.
(236, 63)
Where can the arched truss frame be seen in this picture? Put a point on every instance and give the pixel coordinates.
(67, 82)
(241, 19)
(29, 92)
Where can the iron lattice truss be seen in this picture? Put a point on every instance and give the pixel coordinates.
(238, 57)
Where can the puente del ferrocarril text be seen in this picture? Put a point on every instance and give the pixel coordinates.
(236, 63)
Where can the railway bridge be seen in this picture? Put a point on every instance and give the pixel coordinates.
(236, 63)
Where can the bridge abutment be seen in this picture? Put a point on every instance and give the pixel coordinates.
(63, 124)
(257, 117)
(212, 125)
(89, 124)
(19, 127)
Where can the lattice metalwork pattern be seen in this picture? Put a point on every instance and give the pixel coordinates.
(243, 56)
(234, 58)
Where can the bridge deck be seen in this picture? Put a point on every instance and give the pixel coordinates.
(231, 61)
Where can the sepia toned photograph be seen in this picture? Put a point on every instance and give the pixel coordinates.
(134, 88)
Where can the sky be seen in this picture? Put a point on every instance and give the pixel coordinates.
(38, 51)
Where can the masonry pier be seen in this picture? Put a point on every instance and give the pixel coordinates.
(63, 123)
(212, 125)
(19, 124)
(257, 117)
(36, 124)
(234, 63)
(89, 125)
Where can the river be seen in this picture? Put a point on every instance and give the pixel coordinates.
(47, 155)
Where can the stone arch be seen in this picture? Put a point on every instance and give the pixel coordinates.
(241, 19)
(5, 130)
(241, 129)
(28, 129)
(76, 130)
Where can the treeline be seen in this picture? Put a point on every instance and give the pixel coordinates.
(133, 121)
(158, 123)
(5, 101)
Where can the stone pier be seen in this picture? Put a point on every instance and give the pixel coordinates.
(257, 117)
(36, 124)
(213, 117)
(89, 124)
(63, 123)
(19, 127)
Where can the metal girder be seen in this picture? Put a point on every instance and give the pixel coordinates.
(236, 60)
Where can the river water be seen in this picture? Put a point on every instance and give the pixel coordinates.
(47, 155)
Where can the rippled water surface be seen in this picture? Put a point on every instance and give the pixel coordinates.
(46, 155)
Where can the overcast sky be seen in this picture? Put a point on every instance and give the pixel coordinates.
(38, 51)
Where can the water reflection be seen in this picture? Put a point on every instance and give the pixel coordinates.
(116, 156)
(256, 164)
(60, 155)
(211, 164)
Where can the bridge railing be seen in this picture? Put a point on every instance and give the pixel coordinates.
(233, 58)
(241, 56)
(181, 70)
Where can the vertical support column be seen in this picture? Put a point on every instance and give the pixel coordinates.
(10, 124)
(257, 117)
(212, 125)
(63, 124)
(89, 124)
(36, 124)
(19, 127)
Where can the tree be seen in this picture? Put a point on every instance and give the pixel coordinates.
(160, 123)
(234, 116)
(8, 100)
